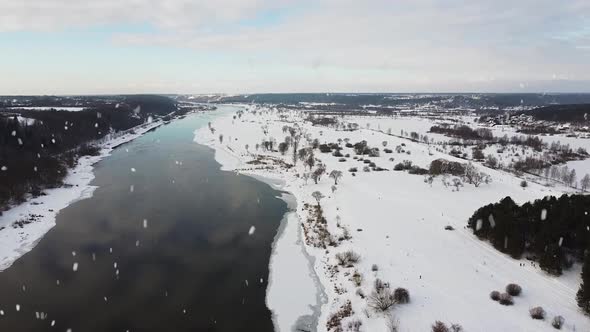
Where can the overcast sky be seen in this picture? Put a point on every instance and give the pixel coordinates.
(246, 46)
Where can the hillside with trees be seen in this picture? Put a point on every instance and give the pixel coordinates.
(579, 113)
(38, 146)
(551, 231)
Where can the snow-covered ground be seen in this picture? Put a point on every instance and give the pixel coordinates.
(16, 241)
(422, 125)
(397, 222)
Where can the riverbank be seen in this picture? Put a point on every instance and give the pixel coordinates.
(381, 216)
(23, 226)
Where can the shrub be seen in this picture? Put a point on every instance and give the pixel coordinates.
(347, 258)
(355, 325)
(439, 326)
(357, 278)
(374, 267)
(401, 295)
(380, 285)
(456, 328)
(537, 313)
(381, 300)
(495, 295)
(342, 160)
(418, 170)
(398, 167)
(557, 322)
(324, 148)
(478, 154)
(513, 289)
(337, 154)
(443, 166)
(506, 299)
(353, 169)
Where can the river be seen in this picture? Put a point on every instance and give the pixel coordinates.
(165, 244)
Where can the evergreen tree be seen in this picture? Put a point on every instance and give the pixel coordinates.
(583, 295)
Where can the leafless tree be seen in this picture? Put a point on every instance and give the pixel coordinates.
(317, 196)
(335, 174)
(585, 182)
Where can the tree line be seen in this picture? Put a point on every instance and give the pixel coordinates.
(37, 147)
(555, 232)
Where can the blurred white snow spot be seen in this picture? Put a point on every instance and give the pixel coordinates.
(246, 281)
(131, 188)
(73, 253)
(4, 168)
(252, 230)
(145, 223)
(18, 307)
(543, 214)
(75, 267)
(478, 224)
(13, 133)
(137, 243)
(20, 141)
(133, 169)
(53, 322)
(492, 221)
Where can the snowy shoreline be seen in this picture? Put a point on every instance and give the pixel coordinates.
(295, 294)
(16, 241)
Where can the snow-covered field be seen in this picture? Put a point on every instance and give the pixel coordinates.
(397, 222)
(423, 125)
(16, 241)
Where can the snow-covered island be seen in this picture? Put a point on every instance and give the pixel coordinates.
(388, 243)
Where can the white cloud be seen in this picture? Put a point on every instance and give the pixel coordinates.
(380, 44)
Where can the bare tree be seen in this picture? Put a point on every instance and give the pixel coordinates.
(295, 144)
(305, 177)
(336, 175)
(475, 177)
(317, 196)
(585, 182)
